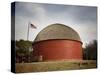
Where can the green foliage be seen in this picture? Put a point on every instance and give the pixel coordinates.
(22, 50)
(23, 44)
(90, 52)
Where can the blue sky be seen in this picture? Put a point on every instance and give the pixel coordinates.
(83, 19)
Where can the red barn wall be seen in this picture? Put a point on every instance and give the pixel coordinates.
(59, 49)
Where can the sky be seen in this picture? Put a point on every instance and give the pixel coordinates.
(82, 19)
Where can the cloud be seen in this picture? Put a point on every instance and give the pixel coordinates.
(81, 18)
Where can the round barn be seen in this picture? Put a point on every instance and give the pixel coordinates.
(58, 42)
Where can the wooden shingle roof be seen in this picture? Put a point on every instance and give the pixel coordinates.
(57, 31)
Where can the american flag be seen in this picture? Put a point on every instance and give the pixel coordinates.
(32, 25)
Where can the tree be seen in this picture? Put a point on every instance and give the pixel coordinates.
(90, 52)
(22, 50)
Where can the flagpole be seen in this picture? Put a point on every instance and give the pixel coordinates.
(28, 32)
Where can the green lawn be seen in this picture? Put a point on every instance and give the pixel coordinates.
(55, 66)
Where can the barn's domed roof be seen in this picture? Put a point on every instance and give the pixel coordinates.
(57, 31)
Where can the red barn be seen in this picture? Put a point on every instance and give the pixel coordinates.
(58, 42)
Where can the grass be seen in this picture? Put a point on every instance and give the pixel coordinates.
(55, 66)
